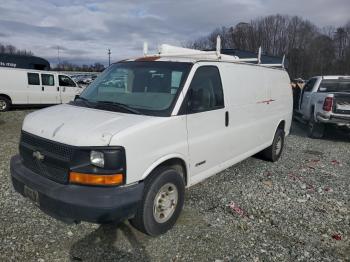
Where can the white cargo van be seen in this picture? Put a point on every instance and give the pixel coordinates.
(34, 87)
(145, 130)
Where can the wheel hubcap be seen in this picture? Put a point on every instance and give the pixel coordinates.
(165, 203)
(278, 146)
(2, 104)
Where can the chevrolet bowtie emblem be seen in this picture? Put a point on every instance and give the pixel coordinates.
(38, 156)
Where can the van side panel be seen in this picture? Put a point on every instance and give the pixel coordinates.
(14, 84)
(245, 93)
(258, 99)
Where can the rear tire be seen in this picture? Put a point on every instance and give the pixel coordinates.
(273, 152)
(315, 129)
(4, 104)
(162, 202)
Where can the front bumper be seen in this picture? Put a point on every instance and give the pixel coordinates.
(75, 203)
(337, 119)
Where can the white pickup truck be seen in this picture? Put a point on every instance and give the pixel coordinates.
(325, 100)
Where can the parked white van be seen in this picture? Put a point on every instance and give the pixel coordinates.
(34, 87)
(145, 130)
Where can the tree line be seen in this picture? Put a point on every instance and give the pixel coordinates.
(310, 50)
(66, 66)
(10, 49)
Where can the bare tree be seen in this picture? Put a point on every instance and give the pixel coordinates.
(309, 49)
(10, 49)
(341, 39)
(66, 66)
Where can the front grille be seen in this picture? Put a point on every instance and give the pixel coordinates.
(56, 157)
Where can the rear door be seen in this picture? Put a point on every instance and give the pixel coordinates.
(68, 88)
(33, 88)
(50, 93)
(206, 127)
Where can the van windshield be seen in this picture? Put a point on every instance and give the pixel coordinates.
(147, 87)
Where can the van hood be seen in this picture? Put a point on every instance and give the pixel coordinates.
(79, 126)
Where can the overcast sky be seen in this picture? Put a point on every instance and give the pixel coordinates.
(84, 30)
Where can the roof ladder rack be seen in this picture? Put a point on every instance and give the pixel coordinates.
(145, 48)
(276, 65)
(165, 50)
(218, 46)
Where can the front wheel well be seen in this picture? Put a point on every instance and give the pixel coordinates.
(177, 163)
(6, 96)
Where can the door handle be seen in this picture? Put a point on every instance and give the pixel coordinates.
(227, 119)
(42, 88)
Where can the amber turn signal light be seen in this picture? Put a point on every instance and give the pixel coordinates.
(96, 180)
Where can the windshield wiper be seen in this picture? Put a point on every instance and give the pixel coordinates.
(83, 100)
(119, 106)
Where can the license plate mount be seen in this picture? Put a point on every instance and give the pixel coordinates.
(343, 107)
(33, 195)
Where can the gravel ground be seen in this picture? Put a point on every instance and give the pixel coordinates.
(297, 209)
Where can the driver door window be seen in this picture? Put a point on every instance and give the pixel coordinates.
(68, 89)
(309, 85)
(65, 81)
(205, 92)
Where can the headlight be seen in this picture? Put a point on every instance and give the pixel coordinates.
(97, 158)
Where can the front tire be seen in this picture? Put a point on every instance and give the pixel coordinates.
(274, 152)
(162, 202)
(4, 104)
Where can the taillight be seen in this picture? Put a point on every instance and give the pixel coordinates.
(328, 104)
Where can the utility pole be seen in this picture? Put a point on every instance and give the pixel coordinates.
(58, 57)
(109, 57)
(58, 54)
